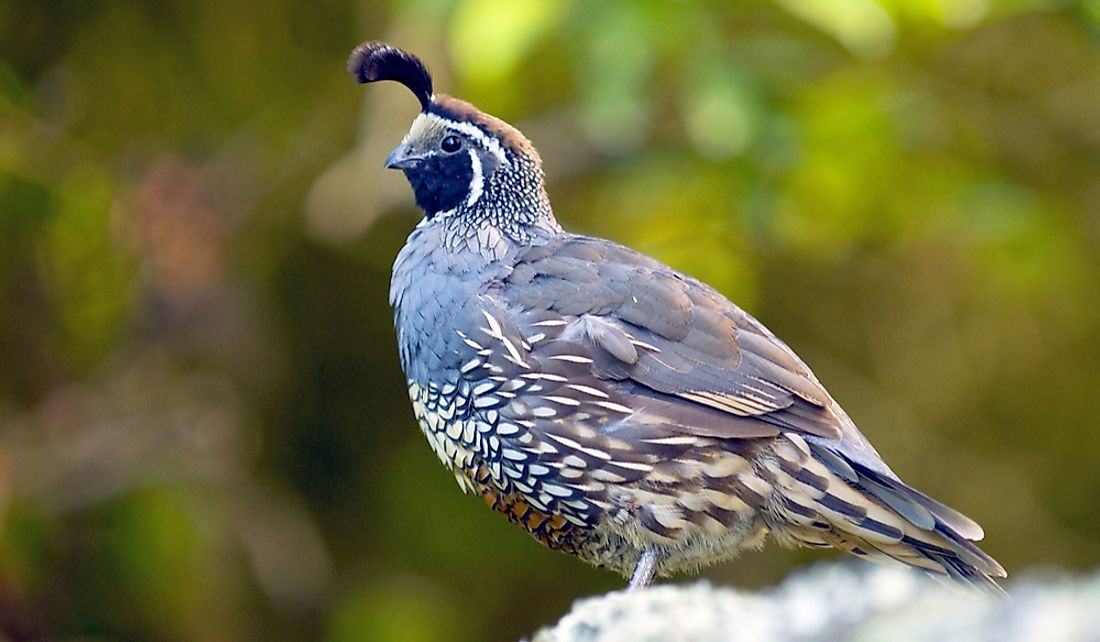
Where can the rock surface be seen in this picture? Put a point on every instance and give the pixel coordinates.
(839, 602)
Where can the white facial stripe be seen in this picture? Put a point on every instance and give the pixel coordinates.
(477, 182)
(474, 133)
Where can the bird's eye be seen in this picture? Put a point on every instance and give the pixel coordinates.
(451, 144)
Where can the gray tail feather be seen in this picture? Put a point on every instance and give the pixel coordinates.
(959, 558)
(961, 561)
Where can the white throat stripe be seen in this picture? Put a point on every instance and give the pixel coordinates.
(477, 182)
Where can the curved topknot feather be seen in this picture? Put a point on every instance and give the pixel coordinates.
(373, 61)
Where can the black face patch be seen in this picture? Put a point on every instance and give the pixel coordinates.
(441, 182)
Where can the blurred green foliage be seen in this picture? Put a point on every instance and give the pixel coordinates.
(203, 429)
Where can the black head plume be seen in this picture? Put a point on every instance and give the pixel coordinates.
(373, 61)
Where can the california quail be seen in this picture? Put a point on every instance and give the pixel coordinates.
(614, 408)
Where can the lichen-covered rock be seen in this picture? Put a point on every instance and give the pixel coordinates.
(839, 602)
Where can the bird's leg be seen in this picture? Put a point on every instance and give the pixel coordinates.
(644, 571)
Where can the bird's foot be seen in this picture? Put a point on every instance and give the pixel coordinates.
(645, 570)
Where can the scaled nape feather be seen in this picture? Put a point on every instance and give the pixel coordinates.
(614, 408)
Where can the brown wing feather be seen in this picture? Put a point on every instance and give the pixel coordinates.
(675, 338)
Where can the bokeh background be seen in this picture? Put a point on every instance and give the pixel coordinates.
(204, 433)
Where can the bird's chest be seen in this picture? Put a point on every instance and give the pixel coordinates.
(457, 350)
(433, 293)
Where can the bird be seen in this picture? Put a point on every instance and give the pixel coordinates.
(614, 408)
